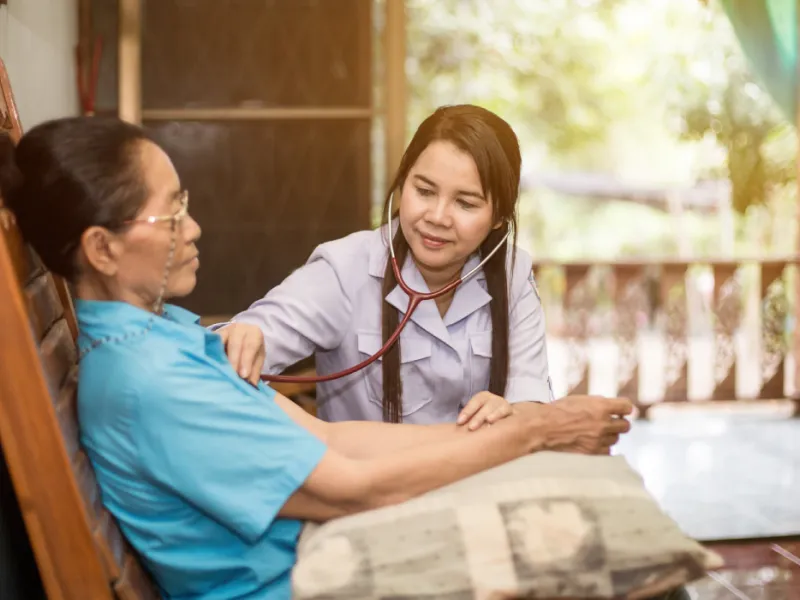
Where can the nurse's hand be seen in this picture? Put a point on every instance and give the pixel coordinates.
(484, 408)
(244, 345)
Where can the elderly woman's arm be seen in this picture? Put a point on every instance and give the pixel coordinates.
(369, 465)
(340, 485)
(234, 453)
(366, 439)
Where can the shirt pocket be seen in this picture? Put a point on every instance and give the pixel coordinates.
(480, 361)
(416, 374)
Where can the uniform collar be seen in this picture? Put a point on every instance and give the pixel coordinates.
(469, 296)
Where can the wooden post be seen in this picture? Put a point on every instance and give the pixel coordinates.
(796, 330)
(130, 61)
(395, 92)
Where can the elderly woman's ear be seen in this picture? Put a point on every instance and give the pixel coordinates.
(100, 251)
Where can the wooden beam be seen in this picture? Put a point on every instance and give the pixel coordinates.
(796, 333)
(130, 61)
(241, 113)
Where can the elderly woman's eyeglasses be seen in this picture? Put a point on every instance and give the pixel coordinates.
(175, 219)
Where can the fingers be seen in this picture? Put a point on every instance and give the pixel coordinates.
(484, 408)
(244, 345)
(252, 344)
(617, 426)
(257, 364)
(618, 406)
(491, 413)
(605, 443)
(609, 440)
(472, 407)
(480, 417)
(233, 345)
(501, 412)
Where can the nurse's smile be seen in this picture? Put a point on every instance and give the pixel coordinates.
(432, 242)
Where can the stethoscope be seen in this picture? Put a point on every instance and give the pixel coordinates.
(414, 300)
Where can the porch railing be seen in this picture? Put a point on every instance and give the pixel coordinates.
(673, 330)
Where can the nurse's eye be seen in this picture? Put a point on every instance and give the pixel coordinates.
(425, 191)
(465, 204)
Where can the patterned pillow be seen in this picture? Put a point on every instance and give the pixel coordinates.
(550, 525)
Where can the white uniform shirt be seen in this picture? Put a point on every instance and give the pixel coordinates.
(331, 307)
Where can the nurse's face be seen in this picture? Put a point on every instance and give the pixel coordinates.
(444, 212)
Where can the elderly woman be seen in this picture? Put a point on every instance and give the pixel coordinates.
(208, 475)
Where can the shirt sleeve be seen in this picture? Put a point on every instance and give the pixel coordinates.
(529, 373)
(229, 451)
(308, 311)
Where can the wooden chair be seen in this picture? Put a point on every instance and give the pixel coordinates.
(80, 552)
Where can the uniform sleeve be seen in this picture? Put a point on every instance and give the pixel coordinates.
(308, 311)
(232, 453)
(529, 374)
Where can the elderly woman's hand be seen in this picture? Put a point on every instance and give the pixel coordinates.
(484, 407)
(244, 345)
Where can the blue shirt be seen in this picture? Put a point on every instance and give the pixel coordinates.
(331, 307)
(192, 461)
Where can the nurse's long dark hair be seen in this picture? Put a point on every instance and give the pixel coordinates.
(495, 149)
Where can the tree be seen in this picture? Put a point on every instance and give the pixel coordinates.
(714, 94)
(541, 65)
(652, 90)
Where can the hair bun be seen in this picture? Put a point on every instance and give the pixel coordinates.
(10, 175)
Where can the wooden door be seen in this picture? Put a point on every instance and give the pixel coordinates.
(266, 109)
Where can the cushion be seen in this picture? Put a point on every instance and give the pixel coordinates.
(549, 525)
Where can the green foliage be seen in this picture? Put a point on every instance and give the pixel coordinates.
(544, 65)
(654, 91)
(714, 94)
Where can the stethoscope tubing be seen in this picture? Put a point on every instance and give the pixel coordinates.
(414, 300)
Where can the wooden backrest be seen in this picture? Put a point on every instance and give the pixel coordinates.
(79, 549)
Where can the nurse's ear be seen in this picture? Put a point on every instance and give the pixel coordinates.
(101, 250)
(500, 223)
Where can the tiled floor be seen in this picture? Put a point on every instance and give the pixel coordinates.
(721, 476)
(728, 477)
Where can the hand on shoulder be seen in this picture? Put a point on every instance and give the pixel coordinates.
(244, 345)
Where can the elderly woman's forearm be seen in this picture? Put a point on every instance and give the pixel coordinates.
(407, 474)
(368, 439)
(342, 485)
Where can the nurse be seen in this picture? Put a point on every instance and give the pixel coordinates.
(455, 197)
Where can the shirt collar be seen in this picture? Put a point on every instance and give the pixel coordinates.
(181, 315)
(102, 318)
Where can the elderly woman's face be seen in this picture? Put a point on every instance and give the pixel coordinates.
(143, 263)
